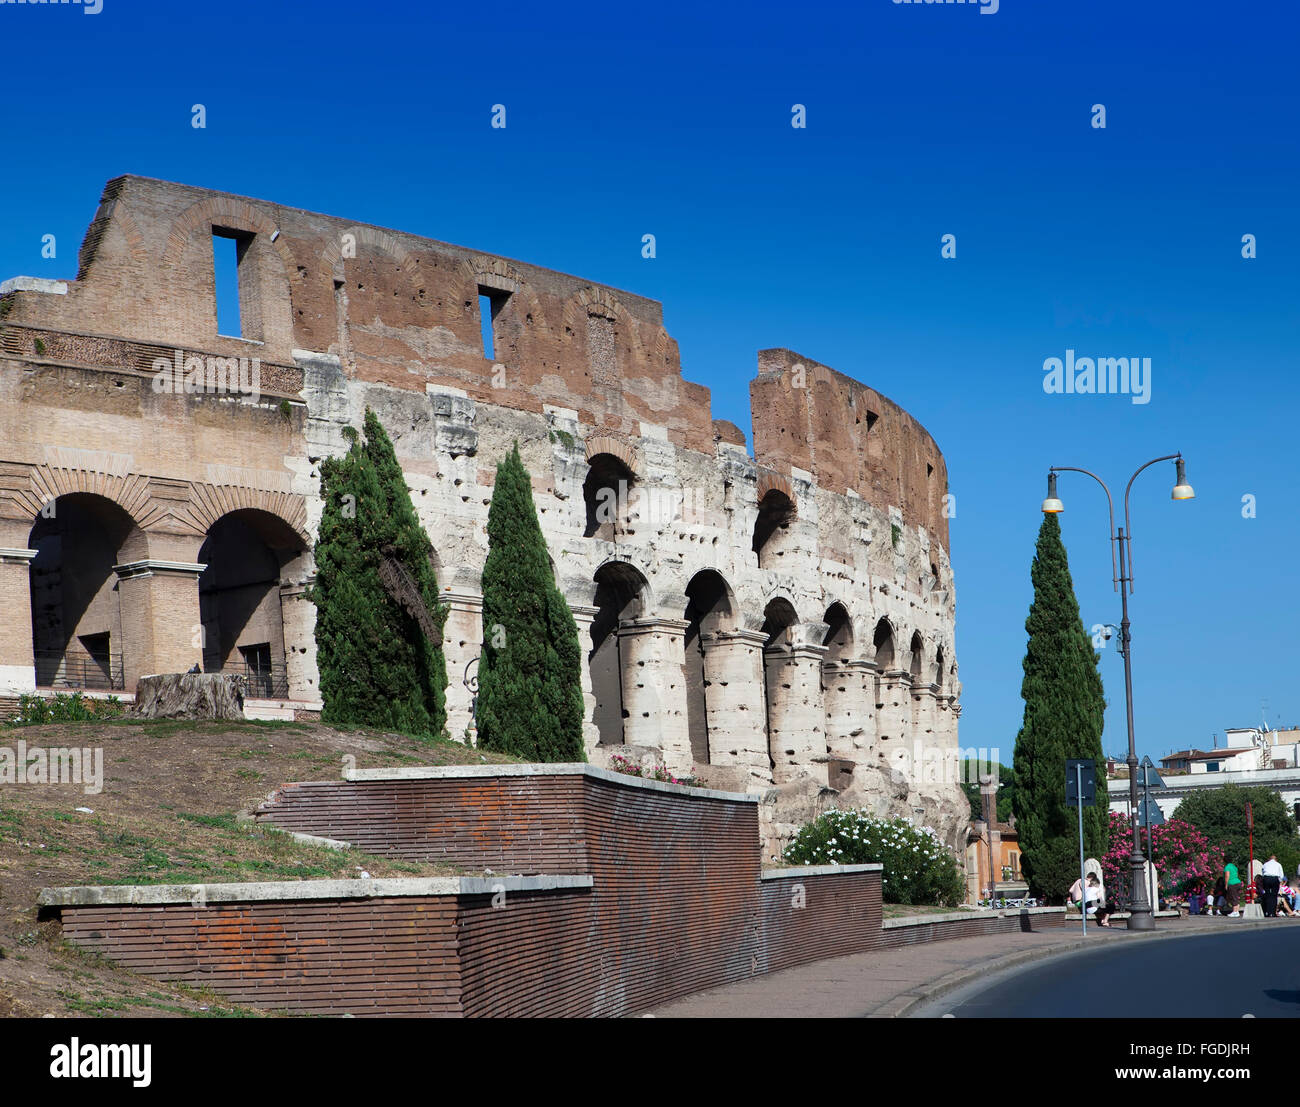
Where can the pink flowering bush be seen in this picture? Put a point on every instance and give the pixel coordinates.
(1182, 855)
(621, 764)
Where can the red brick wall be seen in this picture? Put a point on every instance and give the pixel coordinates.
(381, 956)
(841, 914)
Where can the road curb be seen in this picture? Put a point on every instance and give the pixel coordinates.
(902, 1005)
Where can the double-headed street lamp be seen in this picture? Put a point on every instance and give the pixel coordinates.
(1141, 916)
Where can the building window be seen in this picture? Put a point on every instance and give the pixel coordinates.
(238, 314)
(490, 303)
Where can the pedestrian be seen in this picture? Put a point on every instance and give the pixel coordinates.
(1286, 900)
(1270, 880)
(1196, 897)
(1097, 900)
(1231, 889)
(1217, 900)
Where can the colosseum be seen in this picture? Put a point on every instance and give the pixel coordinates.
(777, 621)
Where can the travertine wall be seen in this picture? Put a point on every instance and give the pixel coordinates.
(781, 622)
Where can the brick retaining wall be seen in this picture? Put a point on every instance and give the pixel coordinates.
(665, 897)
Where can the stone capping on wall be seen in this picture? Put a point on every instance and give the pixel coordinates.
(575, 768)
(967, 915)
(819, 870)
(286, 890)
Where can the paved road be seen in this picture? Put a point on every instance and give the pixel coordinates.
(1223, 975)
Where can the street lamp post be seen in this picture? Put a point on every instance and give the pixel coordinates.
(1141, 916)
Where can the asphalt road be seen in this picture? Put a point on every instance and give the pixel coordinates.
(1223, 975)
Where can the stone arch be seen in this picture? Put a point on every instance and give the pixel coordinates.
(776, 511)
(248, 553)
(68, 472)
(78, 637)
(838, 639)
(940, 664)
(606, 492)
(916, 664)
(209, 502)
(622, 594)
(332, 259)
(616, 328)
(223, 211)
(710, 611)
(884, 644)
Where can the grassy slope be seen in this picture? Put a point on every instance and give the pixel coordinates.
(168, 813)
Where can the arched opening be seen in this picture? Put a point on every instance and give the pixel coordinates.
(775, 513)
(778, 618)
(620, 592)
(709, 608)
(939, 664)
(838, 639)
(246, 553)
(605, 492)
(883, 640)
(918, 658)
(842, 692)
(77, 634)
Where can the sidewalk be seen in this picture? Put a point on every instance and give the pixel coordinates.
(888, 983)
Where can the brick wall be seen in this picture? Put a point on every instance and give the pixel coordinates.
(676, 903)
(382, 956)
(808, 918)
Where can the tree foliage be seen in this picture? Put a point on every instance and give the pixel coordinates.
(1220, 814)
(1063, 718)
(377, 667)
(970, 769)
(530, 673)
(1181, 853)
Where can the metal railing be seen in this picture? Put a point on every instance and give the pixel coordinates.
(55, 669)
(262, 684)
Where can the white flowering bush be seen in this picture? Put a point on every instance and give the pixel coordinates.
(918, 867)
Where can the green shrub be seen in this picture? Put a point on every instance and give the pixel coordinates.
(918, 867)
(74, 708)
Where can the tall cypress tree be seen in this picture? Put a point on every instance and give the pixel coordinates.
(377, 665)
(530, 673)
(1064, 716)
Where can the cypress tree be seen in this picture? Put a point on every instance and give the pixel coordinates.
(377, 666)
(1064, 716)
(530, 673)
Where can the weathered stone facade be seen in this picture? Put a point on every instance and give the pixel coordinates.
(781, 622)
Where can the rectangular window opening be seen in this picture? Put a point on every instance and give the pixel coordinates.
(490, 303)
(226, 253)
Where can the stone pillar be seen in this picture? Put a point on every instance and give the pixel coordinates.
(849, 693)
(17, 664)
(462, 643)
(733, 703)
(584, 615)
(161, 628)
(796, 714)
(298, 617)
(652, 655)
(894, 719)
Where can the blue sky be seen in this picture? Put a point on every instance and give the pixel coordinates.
(922, 121)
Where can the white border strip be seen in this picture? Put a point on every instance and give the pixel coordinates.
(574, 768)
(276, 890)
(820, 870)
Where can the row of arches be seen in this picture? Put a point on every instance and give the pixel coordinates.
(93, 623)
(794, 690)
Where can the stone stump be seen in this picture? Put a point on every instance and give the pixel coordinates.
(190, 696)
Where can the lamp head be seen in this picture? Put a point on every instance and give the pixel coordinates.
(1051, 505)
(1182, 490)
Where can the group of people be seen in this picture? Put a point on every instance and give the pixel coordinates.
(1275, 894)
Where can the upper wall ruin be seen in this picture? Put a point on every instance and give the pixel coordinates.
(404, 311)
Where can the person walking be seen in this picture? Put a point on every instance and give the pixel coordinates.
(1231, 889)
(1270, 880)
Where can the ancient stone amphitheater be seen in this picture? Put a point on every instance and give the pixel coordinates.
(778, 622)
